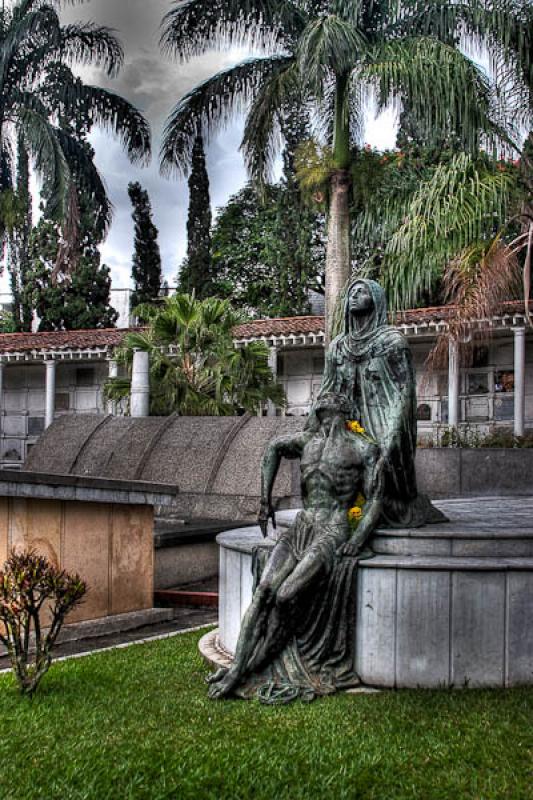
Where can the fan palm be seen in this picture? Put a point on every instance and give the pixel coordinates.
(328, 55)
(39, 92)
(195, 369)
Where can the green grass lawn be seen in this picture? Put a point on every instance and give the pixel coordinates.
(136, 723)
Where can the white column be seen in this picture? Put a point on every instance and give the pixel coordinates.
(113, 373)
(273, 364)
(453, 383)
(519, 380)
(140, 385)
(50, 392)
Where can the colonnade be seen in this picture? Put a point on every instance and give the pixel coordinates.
(454, 368)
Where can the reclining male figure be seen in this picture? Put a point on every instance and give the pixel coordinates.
(337, 466)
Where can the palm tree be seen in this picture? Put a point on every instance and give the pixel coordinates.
(195, 369)
(329, 55)
(42, 103)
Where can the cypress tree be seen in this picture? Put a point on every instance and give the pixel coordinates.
(196, 273)
(146, 268)
(81, 300)
(19, 264)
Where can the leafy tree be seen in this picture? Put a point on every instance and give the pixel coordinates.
(268, 246)
(196, 273)
(330, 54)
(78, 301)
(39, 90)
(146, 269)
(195, 368)
(266, 258)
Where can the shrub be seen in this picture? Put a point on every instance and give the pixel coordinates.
(471, 437)
(32, 588)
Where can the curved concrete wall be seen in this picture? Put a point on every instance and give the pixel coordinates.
(215, 461)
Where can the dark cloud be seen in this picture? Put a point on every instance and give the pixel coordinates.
(154, 83)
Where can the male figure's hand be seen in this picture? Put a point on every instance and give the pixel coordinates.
(266, 512)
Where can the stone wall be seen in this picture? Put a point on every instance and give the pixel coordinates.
(109, 545)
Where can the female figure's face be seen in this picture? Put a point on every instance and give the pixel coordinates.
(360, 299)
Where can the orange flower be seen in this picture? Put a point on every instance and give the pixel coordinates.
(355, 514)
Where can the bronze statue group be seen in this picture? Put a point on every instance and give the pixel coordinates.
(357, 454)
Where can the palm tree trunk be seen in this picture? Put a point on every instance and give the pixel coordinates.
(338, 246)
(338, 256)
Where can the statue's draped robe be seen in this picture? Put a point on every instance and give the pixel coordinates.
(371, 365)
(316, 640)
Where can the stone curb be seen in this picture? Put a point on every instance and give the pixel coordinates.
(124, 645)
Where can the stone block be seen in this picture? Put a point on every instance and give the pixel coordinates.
(185, 564)
(36, 525)
(86, 551)
(519, 660)
(132, 562)
(14, 426)
(15, 401)
(376, 626)
(4, 529)
(495, 471)
(438, 471)
(423, 629)
(478, 621)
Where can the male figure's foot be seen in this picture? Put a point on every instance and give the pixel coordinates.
(224, 686)
(217, 676)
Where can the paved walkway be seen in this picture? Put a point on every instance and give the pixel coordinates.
(185, 618)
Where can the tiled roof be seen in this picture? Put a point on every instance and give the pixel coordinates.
(300, 325)
(61, 340)
(279, 327)
(442, 313)
(256, 329)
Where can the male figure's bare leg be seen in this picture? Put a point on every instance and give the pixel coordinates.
(279, 566)
(300, 578)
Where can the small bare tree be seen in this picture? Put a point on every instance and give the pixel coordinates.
(30, 588)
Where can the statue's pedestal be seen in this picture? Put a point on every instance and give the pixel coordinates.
(440, 606)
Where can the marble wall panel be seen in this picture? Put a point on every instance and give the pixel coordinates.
(86, 551)
(376, 626)
(478, 629)
(423, 629)
(132, 561)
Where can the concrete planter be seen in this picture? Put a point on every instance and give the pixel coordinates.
(457, 472)
(443, 606)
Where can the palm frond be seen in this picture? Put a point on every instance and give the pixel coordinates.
(210, 106)
(92, 44)
(328, 45)
(445, 88)
(111, 112)
(262, 133)
(475, 283)
(88, 180)
(460, 204)
(196, 26)
(45, 149)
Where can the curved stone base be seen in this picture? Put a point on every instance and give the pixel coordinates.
(211, 649)
(440, 606)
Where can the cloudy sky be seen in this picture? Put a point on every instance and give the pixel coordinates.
(154, 84)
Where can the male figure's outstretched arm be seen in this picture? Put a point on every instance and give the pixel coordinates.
(283, 447)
